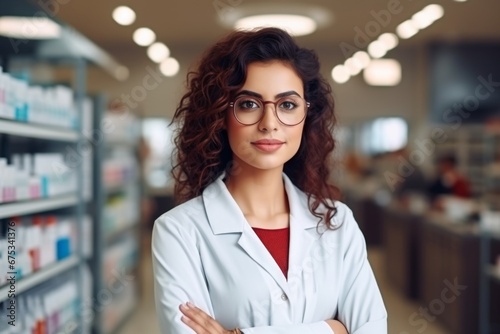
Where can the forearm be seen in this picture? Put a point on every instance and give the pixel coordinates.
(320, 327)
(337, 327)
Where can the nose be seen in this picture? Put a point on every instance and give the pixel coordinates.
(269, 120)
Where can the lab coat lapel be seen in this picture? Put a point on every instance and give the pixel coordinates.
(303, 225)
(252, 245)
(225, 216)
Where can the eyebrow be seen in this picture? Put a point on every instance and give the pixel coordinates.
(277, 96)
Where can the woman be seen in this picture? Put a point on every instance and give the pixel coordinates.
(259, 244)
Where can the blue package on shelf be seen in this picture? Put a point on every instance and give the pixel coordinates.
(63, 249)
(45, 186)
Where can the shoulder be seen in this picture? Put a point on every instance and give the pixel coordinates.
(343, 214)
(181, 217)
(344, 222)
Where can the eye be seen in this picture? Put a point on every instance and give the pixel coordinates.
(246, 104)
(288, 105)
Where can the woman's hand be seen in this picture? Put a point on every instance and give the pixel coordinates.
(337, 327)
(201, 322)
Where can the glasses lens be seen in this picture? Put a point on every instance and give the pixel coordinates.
(290, 109)
(248, 109)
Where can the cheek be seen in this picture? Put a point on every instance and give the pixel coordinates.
(238, 136)
(296, 135)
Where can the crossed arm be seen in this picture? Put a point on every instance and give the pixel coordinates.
(202, 323)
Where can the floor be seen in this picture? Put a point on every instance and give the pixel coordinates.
(400, 310)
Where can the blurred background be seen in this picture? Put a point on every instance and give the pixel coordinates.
(87, 92)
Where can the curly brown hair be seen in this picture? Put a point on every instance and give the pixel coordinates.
(202, 146)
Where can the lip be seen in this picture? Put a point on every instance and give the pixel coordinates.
(268, 142)
(268, 145)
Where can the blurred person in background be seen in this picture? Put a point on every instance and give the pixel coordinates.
(259, 242)
(449, 181)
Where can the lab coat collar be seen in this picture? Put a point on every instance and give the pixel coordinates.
(225, 216)
(220, 205)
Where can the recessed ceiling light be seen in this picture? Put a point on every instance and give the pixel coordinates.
(157, 52)
(383, 72)
(406, 29)
(353, 65)
(340, 74)
(435, 12)
(124, 15)
(29, 27)
(422, 19)
(389, 40)
(169, 67)
(144, 36)
(362, 57)
(377, 49)
(297, 25)
(297, 19)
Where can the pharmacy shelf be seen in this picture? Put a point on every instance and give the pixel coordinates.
(41, 276)
(127, 187)
(37, 131)
(494, 273)
(113, 235)
(28, 207)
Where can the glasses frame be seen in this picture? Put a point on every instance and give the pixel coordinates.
(275, 103)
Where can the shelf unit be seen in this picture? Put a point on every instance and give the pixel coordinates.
(490, 274)
(14, 136)
(112, 230)
(74, 52)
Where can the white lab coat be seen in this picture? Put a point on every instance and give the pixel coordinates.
(204, 251)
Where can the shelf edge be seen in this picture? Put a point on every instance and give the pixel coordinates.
(39, 277)
(13, 209)
(32, 130)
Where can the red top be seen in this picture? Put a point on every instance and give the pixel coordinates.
(461, 188)
(277, 243)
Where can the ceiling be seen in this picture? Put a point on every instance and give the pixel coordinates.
(191, 25)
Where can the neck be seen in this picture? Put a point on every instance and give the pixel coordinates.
(259, 193)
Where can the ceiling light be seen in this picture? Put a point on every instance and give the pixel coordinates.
(422, 19)
(389, 40)
(353, 65)
(169, 67)
(297, 19)
(296, 25)
(406, 29)
(377, 49)
(435, 12)
(124, 15)
(340, 74)
(29, 27)
(144, 36)
(383, 72)
(157, 52)
(362, 57)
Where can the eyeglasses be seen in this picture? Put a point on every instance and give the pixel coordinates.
(290, 110)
